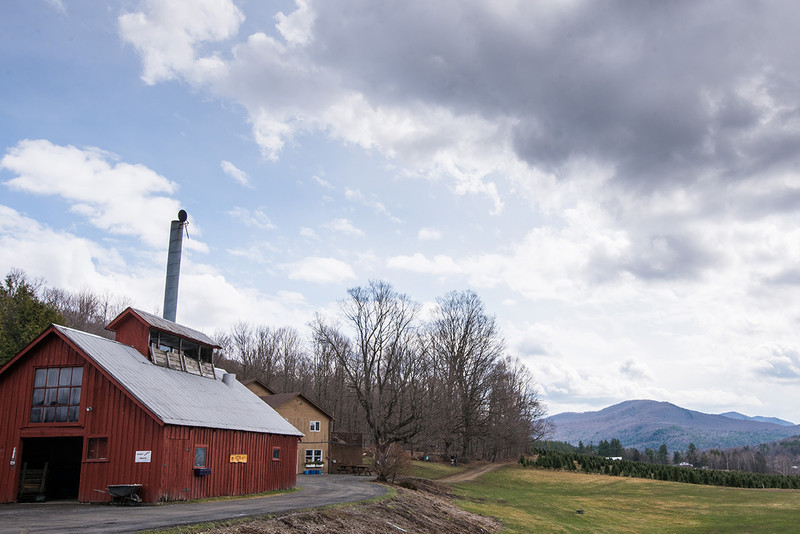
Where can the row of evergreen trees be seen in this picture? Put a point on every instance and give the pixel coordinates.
(556, 459)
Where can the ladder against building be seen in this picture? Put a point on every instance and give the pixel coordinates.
(32, 483)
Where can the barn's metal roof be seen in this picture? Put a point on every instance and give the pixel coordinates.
(180, 398)
(166, 325)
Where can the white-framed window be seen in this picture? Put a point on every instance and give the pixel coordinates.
(313, 426)
(313, 456)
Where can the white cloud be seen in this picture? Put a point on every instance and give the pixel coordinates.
(207, 301)
(122, 198)
(296, 27)
(166, 34)
(308, 233)
(306, 96)
(429, 234)
(354, 195)
(63, 259)
(343, 226)
(320, 270)
(322, 182)
(238, 175)
(254, 218)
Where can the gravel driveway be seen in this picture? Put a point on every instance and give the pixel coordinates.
(85, 518)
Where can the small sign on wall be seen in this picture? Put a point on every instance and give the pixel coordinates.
(238, 458)
(143, 457)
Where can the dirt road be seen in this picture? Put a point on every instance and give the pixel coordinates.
(472, 474)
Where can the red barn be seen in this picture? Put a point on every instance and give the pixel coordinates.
(81, 412)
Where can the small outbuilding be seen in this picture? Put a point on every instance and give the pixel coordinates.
(81, 413)
(313, 452)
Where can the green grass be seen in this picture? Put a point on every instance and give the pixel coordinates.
(536, 500)
(433, 470)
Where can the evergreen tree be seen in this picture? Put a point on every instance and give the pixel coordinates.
(663, 454)
(23, 315)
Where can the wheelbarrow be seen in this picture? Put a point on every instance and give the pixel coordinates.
(124, 493)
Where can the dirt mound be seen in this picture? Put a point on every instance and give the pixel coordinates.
(424, 510)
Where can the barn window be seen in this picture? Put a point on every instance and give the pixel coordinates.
(276, 453)
(313, 426)
(56, 395)
(313, 456)
(200, 456)
(97, 448)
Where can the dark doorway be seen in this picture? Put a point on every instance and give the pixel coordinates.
(58, 461)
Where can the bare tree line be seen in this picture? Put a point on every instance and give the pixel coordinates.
(443, 386)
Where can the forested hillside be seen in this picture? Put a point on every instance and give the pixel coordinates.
(645, 424)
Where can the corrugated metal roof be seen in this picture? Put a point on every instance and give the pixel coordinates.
(166, 325)
(180, 398)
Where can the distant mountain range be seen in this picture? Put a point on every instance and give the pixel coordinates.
(646, 423)
(758, 418)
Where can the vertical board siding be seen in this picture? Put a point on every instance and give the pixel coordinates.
(16, 389)
(259, 474)
(135, 333)
(128, 429)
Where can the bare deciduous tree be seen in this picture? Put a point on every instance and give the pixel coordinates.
(463, 342)
(381, 361)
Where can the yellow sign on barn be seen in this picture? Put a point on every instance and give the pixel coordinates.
(238, 458)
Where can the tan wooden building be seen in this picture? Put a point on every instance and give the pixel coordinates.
(313, 452)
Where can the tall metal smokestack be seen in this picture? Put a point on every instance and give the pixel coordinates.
(174, 266)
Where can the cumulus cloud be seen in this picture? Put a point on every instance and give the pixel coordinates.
(166, 34)
(63, 259)
(656, 147)
(782, 363)
(238, 175)
(111, 195)
(320, 270)
(207, 301)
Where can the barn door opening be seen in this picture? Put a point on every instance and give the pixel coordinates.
(51, 468)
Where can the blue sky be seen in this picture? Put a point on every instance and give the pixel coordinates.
(619, 184)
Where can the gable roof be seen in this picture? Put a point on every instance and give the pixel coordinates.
(165, 325)
(179, 398)
(248, 381)
(279, 399)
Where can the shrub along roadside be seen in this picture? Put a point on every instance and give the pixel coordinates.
(553, 459)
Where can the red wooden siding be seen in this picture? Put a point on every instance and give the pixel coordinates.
(134, 332)
(106, 411)
(260, 473)
(128, 429)
(16, 388)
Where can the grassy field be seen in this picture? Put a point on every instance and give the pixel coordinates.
(433, 470)
(535, 500)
